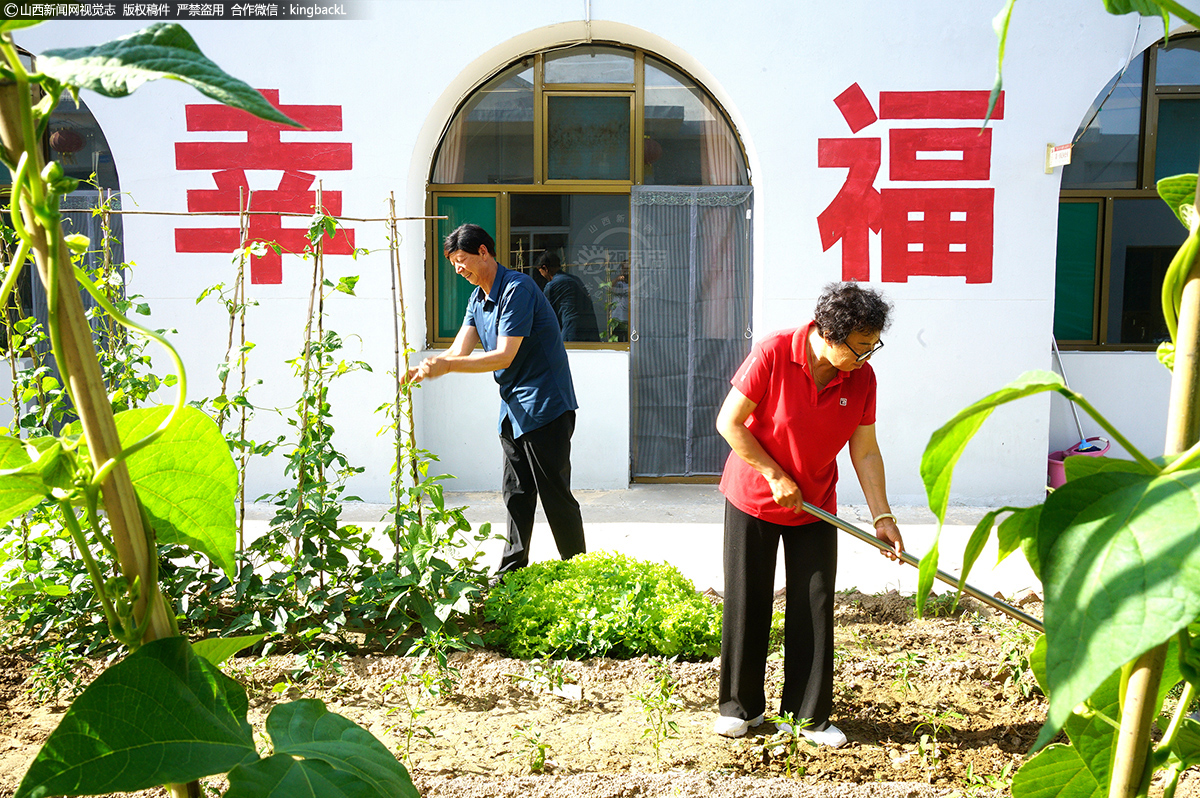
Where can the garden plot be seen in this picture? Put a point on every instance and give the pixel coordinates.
(932, 707)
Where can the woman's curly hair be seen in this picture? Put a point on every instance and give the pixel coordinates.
(846, 307)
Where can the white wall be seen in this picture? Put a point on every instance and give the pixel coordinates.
(776, 67)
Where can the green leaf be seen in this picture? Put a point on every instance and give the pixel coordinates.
(927, 572)
(946, 445)
(186, 480)
(1079, 466)
(22, 487)
(305, 728)
(218, 649)
(280, 776)
(1080, 769)
(346, 285)
(161, 715)
(1000, 25)
(1178, 191)
(1019, 530)
(163, 50)
(1186, 744)
(1121, 573)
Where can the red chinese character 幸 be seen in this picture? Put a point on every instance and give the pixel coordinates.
(262, 150)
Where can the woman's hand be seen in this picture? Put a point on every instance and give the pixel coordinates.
(786, 492)
(887, 531)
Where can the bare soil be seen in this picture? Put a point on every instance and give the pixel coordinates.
(935, 707)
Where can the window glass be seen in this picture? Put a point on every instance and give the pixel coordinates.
(1177, 148)
(589, 234)
(1178, 63)
(1075, 271)
(1106, 154)
(589, 64)
(490, 139)
(454, 291)
(588, 137)
(1145, 236)
(687, 141)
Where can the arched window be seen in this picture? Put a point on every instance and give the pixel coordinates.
(1115, 236)
(545, 154)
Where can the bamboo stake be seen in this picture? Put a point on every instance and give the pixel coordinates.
(1145, 673)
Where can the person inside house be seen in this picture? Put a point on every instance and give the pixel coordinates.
(800, 396)
(523, 348)
(570, 300)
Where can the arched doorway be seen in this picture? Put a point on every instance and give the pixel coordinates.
(620, 164)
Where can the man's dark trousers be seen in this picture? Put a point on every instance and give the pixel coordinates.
(539, 463)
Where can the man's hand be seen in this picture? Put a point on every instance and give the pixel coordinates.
(428, 369)
(887, 531)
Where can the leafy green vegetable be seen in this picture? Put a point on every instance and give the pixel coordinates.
(602, 604)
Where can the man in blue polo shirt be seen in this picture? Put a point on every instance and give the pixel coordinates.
(523, 348)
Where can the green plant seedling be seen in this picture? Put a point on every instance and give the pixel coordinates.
(906, 665)
(790, 740)
(658, 701)
(56, 674)
(534, 749)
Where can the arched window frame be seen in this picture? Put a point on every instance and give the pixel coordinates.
(1106, 290)
(441, 327)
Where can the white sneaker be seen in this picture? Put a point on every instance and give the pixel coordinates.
(734, 727)
(832, 736)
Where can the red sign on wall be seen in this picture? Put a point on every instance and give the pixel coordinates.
(263, 149)
(923, 231)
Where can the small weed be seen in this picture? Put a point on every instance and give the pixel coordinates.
(658, 701)
(936, 721)
(57, 672)
(790, 741)
(906, 664)
(943, 606)
(534, 748)
(319, 665)
(415, 690)
(544, 675)
(775, 640)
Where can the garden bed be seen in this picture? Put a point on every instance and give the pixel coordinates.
(961, 682)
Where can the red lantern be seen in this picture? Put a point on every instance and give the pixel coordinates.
(66, 141)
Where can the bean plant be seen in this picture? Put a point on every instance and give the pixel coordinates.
(1115, 549)
(158, 474)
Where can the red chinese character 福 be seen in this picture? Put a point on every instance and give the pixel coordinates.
(262, 149)
(924, 231)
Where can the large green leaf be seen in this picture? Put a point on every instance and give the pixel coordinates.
(946, 445)
(163, 50)
(218, 649)
(1121, 571)
(1082, 465)
(186, 480)
(161, 715)
(305, 728)
(1186, 744)
(22, 487)
(281, 776)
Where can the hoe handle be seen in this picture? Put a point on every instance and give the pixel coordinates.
(949, 579)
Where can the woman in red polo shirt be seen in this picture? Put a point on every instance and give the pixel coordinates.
(799, 397)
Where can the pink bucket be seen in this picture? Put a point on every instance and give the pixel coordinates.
(1057, 470)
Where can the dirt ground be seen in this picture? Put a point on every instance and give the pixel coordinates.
(935, 707)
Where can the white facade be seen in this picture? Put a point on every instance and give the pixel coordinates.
(776, 68)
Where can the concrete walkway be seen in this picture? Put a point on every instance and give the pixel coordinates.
(682, 525)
